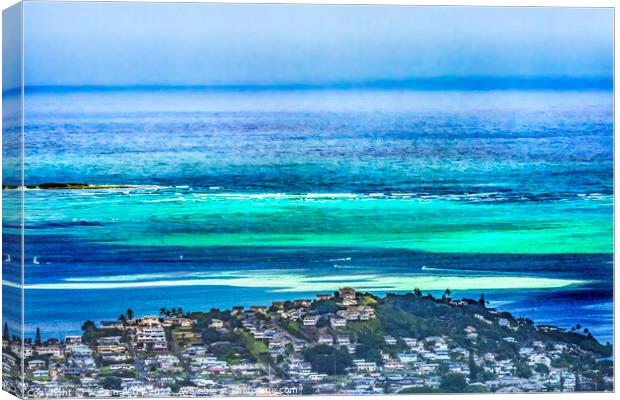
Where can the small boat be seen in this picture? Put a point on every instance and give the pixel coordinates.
(7, 258)
(35, 260)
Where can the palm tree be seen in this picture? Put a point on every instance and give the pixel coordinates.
(88, 325)
(129, 314)
(473, 373)
(577, 381)
(37, 337)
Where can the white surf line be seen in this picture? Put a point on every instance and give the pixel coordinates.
(313, 284)
(16, 285)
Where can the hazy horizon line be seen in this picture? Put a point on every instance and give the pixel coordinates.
(426, 83)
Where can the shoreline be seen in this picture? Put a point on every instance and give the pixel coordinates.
(595, 313)
(493, 305)
(405, 343)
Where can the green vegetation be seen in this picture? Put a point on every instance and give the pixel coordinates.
(111, 383)
(91, 333)
(307, 389)
(294, 328)
(541, 369)
(453, 383)
(418, 390)
(257, 349)
(37, 337)
(328, 359)
(325, 306)
(586, 341)
(523, 370)
(370, 346)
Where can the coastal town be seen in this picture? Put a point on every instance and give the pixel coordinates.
(346, 342)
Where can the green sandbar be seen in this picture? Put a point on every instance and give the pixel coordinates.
(188, 219)
(515, 242)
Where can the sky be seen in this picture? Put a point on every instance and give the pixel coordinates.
(124, 44)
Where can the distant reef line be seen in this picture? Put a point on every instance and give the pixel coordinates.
(64, 186)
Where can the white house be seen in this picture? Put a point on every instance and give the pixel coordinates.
(311, 320)
(390, 340)
(326, 339)
(338, 322)
(364, 366)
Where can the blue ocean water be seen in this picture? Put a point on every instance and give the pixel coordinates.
(247, 196)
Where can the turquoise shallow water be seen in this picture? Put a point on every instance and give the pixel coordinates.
(484, 222)
(247, 197)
